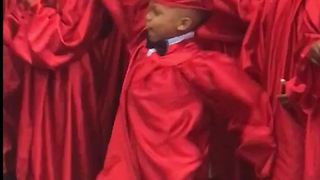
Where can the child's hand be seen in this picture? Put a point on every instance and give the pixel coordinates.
(314, 53)
(283, 98)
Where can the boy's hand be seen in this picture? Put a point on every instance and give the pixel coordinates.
(314, 53)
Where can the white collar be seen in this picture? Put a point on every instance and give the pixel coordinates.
(174, 40)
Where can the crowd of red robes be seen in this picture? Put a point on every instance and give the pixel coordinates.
(63, 68)
(64, 63)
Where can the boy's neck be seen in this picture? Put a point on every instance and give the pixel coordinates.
(168, 43)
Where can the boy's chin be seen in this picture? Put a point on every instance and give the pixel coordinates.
(151, 38)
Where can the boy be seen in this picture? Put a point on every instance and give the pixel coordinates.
(173, 92)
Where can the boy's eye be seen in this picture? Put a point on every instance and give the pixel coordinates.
(156, 11)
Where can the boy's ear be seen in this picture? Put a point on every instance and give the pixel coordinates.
(184, 24)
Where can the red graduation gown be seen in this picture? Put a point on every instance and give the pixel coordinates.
(304, 93)
(11, 93)
(227, 38)
(59, 136)
(110, 64)
(162, 125)
(167, 105)
(11, 105)
(272, 51)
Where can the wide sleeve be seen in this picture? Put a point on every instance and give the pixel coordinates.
(129, 16)
(51, 34)
(232, 95)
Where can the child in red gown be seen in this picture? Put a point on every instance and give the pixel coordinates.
(174, 92)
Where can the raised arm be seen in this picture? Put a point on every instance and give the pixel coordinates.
(51, 34)
(129, 16)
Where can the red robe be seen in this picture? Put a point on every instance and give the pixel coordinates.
(11, 105)
(110, 64)
(304, 102)
(227, 38)
(168, 105)
(272, 48)
(59, 136)
(11, 96)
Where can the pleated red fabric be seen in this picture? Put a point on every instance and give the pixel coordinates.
(303, 92)
(11, 105)
(59, 134)
(281, 33)
(194, 4)
(11, 96)
(110, 63)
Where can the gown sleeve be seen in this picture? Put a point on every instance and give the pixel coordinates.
(52, 34)
(129, 16)
(232, 95)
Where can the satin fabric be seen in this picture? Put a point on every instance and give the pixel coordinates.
(304, 93)
(11, 105)
(59, 134)
(109, 62)
(160, 133)
(164, 121)
(277, 38)
(11, 96)
(197, 4)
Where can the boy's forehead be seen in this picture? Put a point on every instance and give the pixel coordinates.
(155, 4)
(189, 4)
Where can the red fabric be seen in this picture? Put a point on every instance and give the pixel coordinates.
(192, 4)
(237, 13)
(11, 105)
(59, 135)
(224, 31)
(8, 5)
(261, 56)
(158, 133)
(281, 33)
(144, 144)
(110, 64)
(11, 83)
(308, 102)
(304, 93)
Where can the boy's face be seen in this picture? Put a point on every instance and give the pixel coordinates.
(161, 22)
